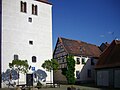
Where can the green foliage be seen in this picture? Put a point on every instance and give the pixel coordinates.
(19, 65)
(50, 65)
(55, 64)
(47, 65)
(70, 69)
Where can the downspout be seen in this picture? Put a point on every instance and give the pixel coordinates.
(0, 43)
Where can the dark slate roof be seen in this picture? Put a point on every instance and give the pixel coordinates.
(111, 56)
(80, 48)
(44, 1)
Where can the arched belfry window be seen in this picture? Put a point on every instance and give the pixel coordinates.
(34, 59)
(16, 57)
(34, 9)
(23, 6)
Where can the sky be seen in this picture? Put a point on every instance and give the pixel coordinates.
(91, 21)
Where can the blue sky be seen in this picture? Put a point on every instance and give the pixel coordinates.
(92, 21)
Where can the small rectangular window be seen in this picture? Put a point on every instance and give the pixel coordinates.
(31, 42)
(30, 19)
(83, 60)
(78, 60)
(15, 57)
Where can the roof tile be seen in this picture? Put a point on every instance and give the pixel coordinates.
(80, 48)
(111, 56)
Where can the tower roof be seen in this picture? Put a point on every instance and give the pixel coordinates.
(44, 1)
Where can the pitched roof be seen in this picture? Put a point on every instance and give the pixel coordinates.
(111, 56)
(80, 48)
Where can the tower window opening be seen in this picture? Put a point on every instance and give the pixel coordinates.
(23, 6)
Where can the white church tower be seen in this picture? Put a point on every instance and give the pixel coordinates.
(26, 33)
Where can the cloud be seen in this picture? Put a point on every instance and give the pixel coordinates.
(110, 32)
(102, 35)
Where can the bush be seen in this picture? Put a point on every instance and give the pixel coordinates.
(70, 70)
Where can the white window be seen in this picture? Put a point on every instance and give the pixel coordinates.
(78, 60)
(83, 60)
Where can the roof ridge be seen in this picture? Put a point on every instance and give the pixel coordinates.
(73, 47)
(79, 41)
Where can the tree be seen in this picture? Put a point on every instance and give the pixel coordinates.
(69, 71)
(50, 65)
(21, 66)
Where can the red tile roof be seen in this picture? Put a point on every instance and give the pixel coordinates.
(111, 56)
(80, 48)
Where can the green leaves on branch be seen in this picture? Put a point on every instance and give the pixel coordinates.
(19, 65)
(69, 71)
(50, 65)
(47, 65)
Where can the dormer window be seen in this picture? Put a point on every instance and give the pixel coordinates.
(34, 9)
(23, 6)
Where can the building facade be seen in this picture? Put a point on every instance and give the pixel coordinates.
(85, 56)
(26, 33)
